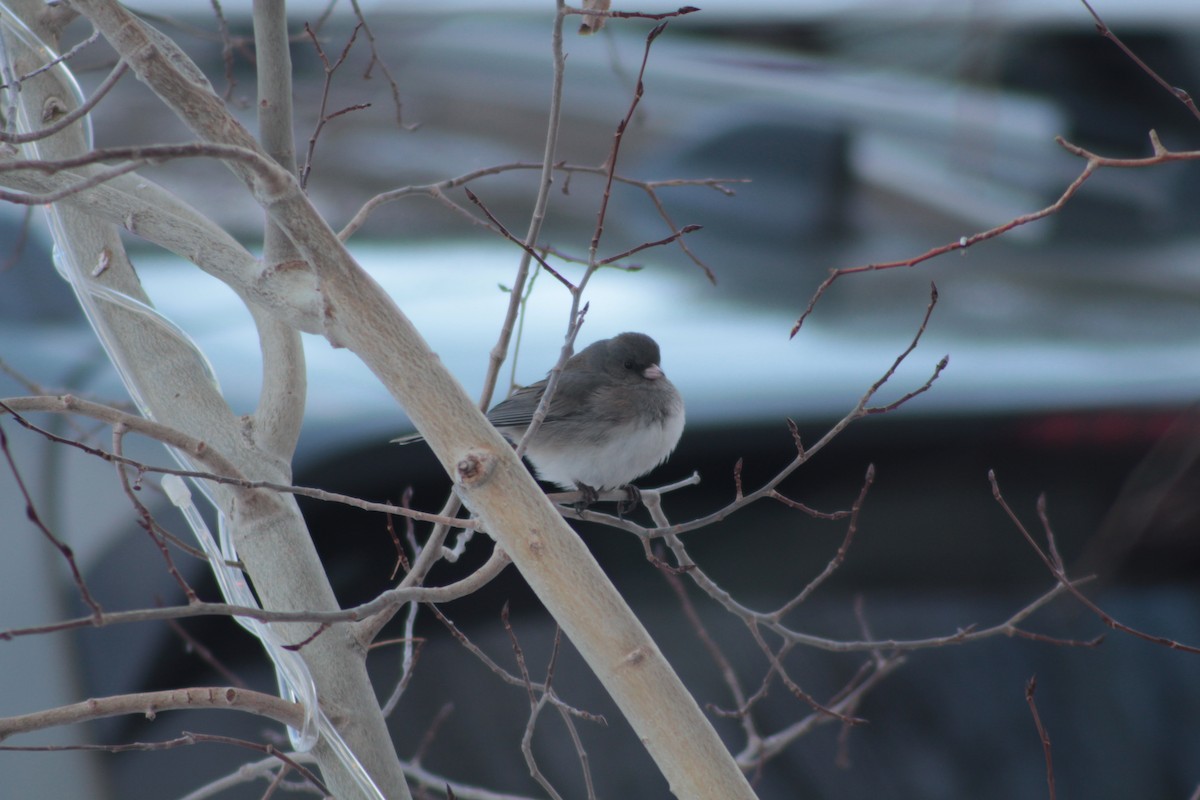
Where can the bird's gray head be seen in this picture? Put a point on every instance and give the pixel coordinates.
(631, 356)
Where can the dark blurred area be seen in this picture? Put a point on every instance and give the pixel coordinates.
(862, 144)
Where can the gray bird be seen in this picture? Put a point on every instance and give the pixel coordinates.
(613, 417)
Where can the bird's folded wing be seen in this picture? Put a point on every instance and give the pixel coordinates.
(517, 410)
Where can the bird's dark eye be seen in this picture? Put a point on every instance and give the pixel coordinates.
(629, 363)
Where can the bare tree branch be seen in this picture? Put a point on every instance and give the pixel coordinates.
(1055, 564)
(1179, 94)
(60, 121)
(1043, 735)
(1094, 162)
(150, 703)
(198, 449)
(31, 514)
(392, 597)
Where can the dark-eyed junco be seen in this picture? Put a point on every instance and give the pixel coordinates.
(613, 417)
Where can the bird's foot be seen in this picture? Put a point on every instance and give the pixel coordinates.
(587, 496)
(633, 496)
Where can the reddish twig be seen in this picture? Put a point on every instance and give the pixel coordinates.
(507, 676)
(728, 673)
(686, 229)
(383, 67)
(776, 660)
(1054, 563)
(1179, 94)
(146, 520)
(504, 231)
(611, 165)
(569, 721)
(300, 645)
(438, 192)
(795, 431)
(1030, 687)
(31, 514)
(518, 653)
(226, 50)
(937, 370)
(776, 495)
(323, 116)
(1094, 162)
(206, 655)
(536, 704)
(838, 558)
(431, 732)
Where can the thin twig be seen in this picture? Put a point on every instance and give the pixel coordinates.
(508, 677)
(508, 235)
(67, 56)
(1043, 735)
(1179, 94)
(1094, 162)
(839, 557)
(11, 259)
(536, 704)
(591, 13)
(1054, 564)
(195, 447)
(324, 116)
(611, 165)
(686, 229)
(392, 598)
(62, 122)
(724, 667)
(226, 50)
(65, 550)
(146, 519)
(383, 67)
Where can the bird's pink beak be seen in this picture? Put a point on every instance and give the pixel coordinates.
(652, 372)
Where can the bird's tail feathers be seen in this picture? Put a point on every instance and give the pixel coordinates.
(410, 439)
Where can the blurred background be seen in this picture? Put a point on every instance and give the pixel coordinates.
(868, 132)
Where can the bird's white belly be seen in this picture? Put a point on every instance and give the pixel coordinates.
(629, 453)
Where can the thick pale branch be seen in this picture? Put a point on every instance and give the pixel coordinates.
(280, 412)
(150, 212)
(167, 377)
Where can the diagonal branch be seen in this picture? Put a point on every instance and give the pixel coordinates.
(1094, 162)
(1178, 93)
